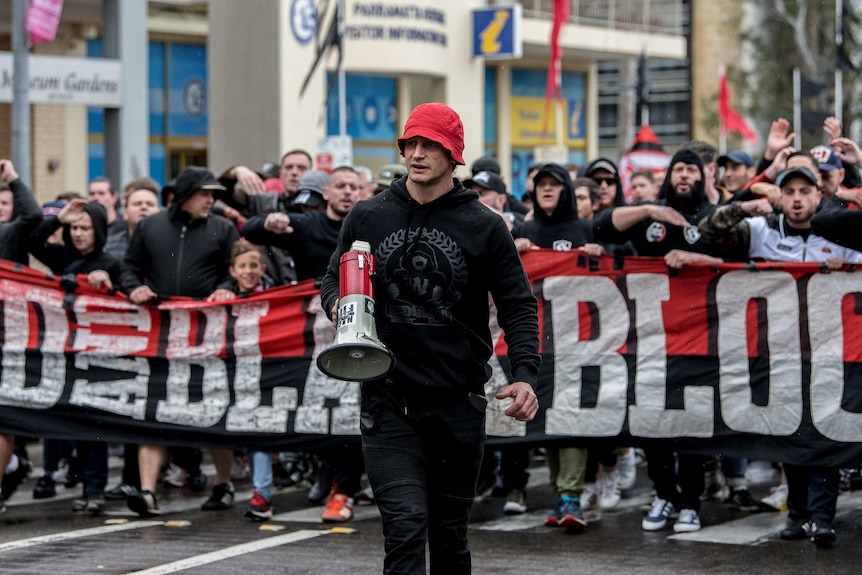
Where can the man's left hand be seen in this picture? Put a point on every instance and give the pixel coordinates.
(221, 294)
(526, 403)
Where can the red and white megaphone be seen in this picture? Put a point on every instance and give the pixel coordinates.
(357, 353)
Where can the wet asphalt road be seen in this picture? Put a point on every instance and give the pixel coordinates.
(45, 537)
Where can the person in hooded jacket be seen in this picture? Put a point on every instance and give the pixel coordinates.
(182, 251)
(606, 174)
(555, 222)
(85, 232)
(439, 253)
(669, 229)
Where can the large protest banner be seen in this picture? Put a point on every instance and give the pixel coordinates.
(750, 360)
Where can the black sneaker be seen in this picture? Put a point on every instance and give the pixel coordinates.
(143, 503)
(11, 481)
(796, 530)
(120, 492)
(221, 498)
(822, 534)
(196, 481)
(741, 499)
(45, 488)
(95, 506)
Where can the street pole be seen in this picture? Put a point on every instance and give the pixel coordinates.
(21, 92)
(342, 79)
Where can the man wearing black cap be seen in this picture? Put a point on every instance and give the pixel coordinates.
(669, 229)
(309, 191)
(787, 236)
(439, 254)
(182, 252)
(605, 173)
(492, 192)
(738, 169)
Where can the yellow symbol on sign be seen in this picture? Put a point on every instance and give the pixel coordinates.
(491, 34)
(575, 118)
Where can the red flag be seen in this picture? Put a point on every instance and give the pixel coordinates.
(729, 118)
(554, 83)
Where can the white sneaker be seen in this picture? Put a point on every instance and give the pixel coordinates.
(175, 477)
(776, 500)
(590, 496)
(610, 495)
(628, 469)
(687, 522)
(516, 502)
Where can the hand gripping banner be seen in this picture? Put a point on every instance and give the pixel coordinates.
(756, 361)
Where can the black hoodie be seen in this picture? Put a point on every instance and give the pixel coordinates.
(64, 259)
(656, 239)
(562, 230)
(436, 264)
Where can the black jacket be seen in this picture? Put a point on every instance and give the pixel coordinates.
(562, 230)
(26, 215)
(64, 259)
(436, 265)
(178, 257)
(314, 238)
(655, 239)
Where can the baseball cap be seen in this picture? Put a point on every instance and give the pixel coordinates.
(308, 198)
(486, 164)
(796, 173)
(390, 173)
(737, 157)
(313, 181)
(439, 123)
(602, 165)
(827, 158)
(51, 209)
(487, 180)
(192, 179)
(557, 172)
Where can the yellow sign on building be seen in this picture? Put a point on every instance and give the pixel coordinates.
(527, 115)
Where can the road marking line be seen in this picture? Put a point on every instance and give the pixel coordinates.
(230, 552)
(54, 538)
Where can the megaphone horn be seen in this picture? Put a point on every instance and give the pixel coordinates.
(357, 353)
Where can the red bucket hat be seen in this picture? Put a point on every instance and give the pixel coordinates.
(439, 123)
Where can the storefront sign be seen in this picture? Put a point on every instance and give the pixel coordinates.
(66, 80)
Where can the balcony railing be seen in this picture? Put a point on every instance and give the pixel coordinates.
(652, 16)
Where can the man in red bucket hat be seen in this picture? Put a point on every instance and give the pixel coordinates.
(439, 253)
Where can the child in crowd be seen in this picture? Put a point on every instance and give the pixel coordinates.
(249, 274)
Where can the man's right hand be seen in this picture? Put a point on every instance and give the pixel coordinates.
(72, 211)
(142, 294)
(277, 223)
(667, 215)
(756, 207)
(779, 162)
(778, 138)
(251, 183)
(7, 171)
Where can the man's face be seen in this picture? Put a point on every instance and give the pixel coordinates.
(490, 197)
(341, 194)
(199, 204)
(247, 269)
(428, 162)
(6, 205)
(101, 192)
(830, 180)
(366, 187)
(736, 175)
(547, 192)
(140, 204)
(799, 201)
(683, 176)
(292, 168)
(607, 187)
(83, 234)
(586, 206)
(643, 190)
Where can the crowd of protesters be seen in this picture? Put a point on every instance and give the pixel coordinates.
(217, 238)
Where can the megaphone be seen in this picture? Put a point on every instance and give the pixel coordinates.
(357, 353)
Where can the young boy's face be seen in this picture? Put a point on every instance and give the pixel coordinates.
(247, 269)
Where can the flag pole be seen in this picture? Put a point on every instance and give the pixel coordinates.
(797, 108)
(722, 129)
(342, 79)
(839, 46)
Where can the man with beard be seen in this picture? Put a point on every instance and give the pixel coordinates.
(669, 228)
(788, 237)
